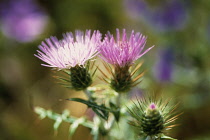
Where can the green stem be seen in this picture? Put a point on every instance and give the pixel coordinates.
(88, 93)
(118, 102)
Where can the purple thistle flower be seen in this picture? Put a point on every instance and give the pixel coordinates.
(136, 8)
(173, 16)
(164, 16)
(123, 51)
(207, 35)
(71, 51)
(22, 20)
(164, 65)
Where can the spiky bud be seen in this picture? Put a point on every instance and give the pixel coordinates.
(80, 78)
(152, 121)
(121, 81)
(152, 118)
(122, 78)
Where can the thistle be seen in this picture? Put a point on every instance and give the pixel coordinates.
(121, 54)
(71, 55)
(153, 118)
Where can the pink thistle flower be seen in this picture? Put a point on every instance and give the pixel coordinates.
(123, 51)
(71, 51)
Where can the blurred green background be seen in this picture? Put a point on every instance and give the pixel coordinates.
(177, 67)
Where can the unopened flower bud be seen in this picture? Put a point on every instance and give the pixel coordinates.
(152, 119)
(80, 78)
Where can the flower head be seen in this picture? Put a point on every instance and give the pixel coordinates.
(123, 51)
(71, 51)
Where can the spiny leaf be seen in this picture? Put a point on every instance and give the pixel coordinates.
(100, 110)
(101, 113)
(115, 111)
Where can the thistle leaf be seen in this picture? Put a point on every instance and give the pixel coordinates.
(100, 110)
(115, 111)
(101, 113)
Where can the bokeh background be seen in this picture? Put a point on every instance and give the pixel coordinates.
(177, 67)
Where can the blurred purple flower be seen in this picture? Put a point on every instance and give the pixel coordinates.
(71, 51)
(164, 66)
(22, 20)
(208, 32)
(169, 15)
(123, 51)
(135, 8)
(135, 93)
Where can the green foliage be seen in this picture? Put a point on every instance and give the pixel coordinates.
(64, 117)
(100, 110)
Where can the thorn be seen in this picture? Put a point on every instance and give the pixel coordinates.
(139, 76)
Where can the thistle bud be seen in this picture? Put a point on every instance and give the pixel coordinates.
(80, 78)
(121, 81)
(152, 118)
(152, 121)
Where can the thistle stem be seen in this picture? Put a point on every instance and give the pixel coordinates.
(88, 93)
(118, 102)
